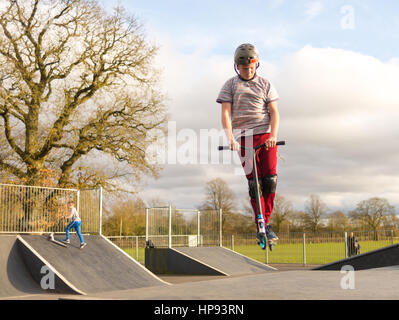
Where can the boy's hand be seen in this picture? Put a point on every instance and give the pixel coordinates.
(234, 145)
(271, 142)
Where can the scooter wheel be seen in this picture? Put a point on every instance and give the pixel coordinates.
(262, 242)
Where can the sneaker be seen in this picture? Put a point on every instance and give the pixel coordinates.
(82, 245)
(260, 239)
(271, 236)
(66, 241)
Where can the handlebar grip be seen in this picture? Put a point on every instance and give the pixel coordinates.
(278, 143)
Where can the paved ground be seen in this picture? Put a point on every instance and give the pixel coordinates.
(175, 279)
(373, 284)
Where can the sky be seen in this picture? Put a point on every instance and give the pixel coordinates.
(334, 65)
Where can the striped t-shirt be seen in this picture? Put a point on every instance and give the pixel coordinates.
(249, 100)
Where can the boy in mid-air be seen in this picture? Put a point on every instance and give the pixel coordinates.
(75, 223)
(250, 116)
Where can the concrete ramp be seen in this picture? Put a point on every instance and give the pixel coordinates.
(100, 266)
(15, 278)
(201, 261)
(380, 258)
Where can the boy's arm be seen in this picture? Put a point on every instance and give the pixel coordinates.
(68, 216)
(226, 122)
(274, 124)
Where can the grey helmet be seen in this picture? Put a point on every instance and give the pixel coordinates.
(245, 54)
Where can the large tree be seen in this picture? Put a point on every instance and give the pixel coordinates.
(338, 221)
(315, 210)
(282, 209)
(218, 195)
(77, 90)
(372, 212)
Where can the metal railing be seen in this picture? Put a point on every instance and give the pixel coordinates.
(31, 209)
(310, 248)
(293, 248)
(132, 245)
(167, 227)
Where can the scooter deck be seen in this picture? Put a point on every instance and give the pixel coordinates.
(59, 243)
(51, 238)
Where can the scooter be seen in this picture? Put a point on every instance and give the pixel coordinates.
(261, 222)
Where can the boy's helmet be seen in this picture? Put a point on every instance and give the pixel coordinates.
(245, 54)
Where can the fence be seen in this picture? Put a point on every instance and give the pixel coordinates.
(132, 245)
(309, 248)
(30, 209)
(292, 248)
(167, 227)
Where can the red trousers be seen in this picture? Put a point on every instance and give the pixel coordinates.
(266, 162)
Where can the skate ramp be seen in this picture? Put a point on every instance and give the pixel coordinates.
(15, 278)
(225, 260)
(380, 258)
(100, 266)
(201, 261)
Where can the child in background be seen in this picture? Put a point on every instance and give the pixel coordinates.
(75, 223)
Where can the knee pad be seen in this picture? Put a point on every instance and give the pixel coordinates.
(269, 183)
(252, 187)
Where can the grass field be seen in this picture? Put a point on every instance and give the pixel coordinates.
(316, 253)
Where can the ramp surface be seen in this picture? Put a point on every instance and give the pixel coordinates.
(225, 260)
(380, 258)
(15, 279)
(100, 266)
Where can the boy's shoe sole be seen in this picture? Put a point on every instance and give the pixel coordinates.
(83, 245)
(66, 241)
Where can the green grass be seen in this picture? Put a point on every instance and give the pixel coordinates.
(132, 253)
(316, 253)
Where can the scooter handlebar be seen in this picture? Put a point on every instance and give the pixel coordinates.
(278, 143)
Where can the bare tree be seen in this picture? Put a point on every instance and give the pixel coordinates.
(218, 195)
(372, 212)
(338, 221)
(282, 209)
(77, 90)
(297, 221)
(315, 210)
